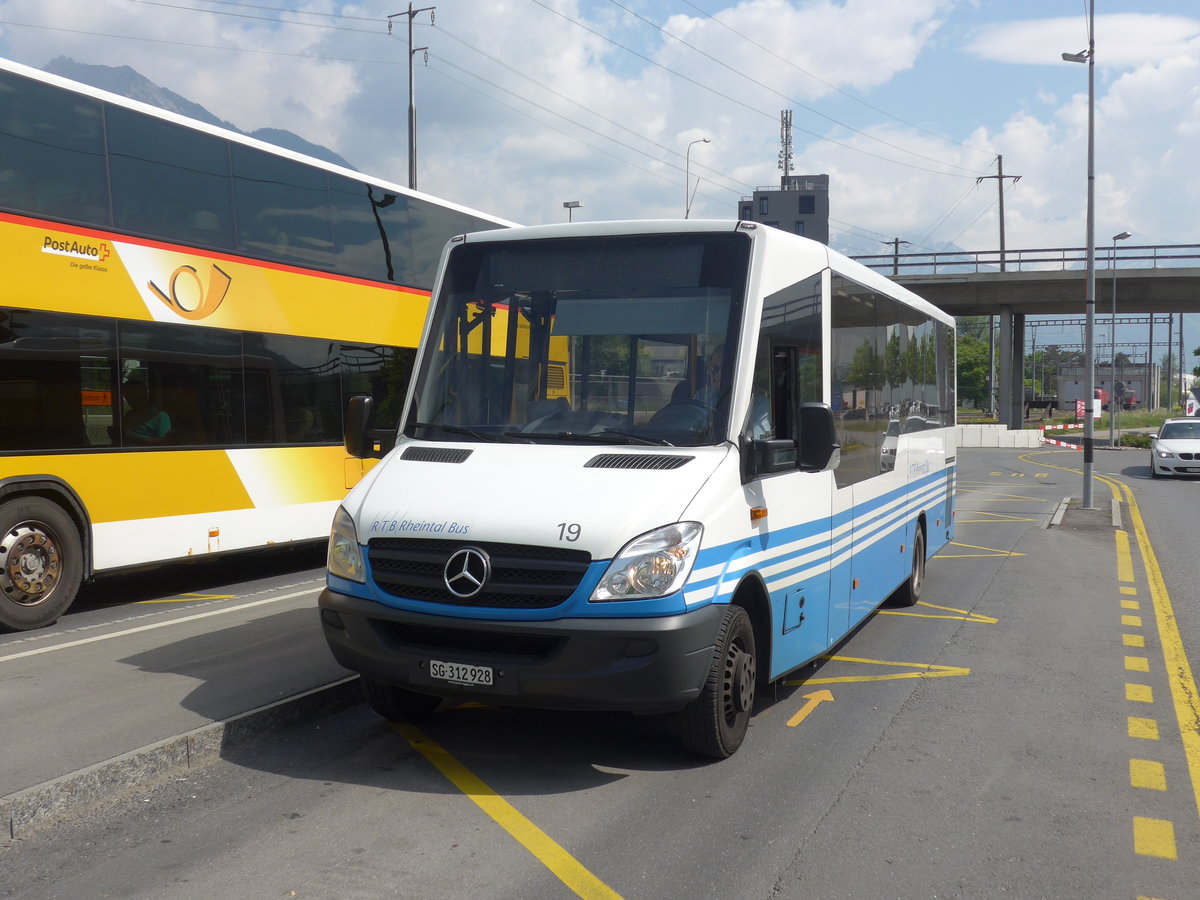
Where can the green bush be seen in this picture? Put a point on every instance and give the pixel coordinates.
(1135, 440)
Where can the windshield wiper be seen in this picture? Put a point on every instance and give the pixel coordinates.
(639, 439)
(607, 436)
(471, 432)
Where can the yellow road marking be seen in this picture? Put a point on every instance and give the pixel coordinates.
(1145, 773)
(989, 551)
(1133, 640)
(926, 670)
(1184, 695)
(1130, 604)
(995, 517)
(1147, 729)
(1139, 693)
(1128, 590)
(963, 615)
(1132, 621)
(1000, 497)
(814, 699)
(1154, 837)
(1124, 559)
(1137, 664)
(549, 853)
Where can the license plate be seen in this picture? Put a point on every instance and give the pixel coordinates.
(461, 674)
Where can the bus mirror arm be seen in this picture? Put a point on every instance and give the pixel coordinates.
(819, 449)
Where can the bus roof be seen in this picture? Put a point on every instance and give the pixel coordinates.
(158, 112)
(841, 263)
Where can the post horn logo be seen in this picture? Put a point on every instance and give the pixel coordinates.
(210, 297)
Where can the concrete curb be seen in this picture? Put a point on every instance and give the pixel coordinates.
(103, 782)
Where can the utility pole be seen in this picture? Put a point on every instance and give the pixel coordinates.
(412, 97)
(999, 176)
(895, 242)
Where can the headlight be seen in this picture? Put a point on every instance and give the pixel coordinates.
(1164, 454)
(345, 555)
(653, 565)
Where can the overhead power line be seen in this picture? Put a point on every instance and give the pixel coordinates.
(791, 100)
(736, 102)
(833, 87)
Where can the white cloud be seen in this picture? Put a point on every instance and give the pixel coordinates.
(1122, 39)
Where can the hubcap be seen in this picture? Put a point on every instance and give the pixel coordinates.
(739, 681)
(29, 565)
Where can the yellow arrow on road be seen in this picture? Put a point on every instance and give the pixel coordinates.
(814, 699)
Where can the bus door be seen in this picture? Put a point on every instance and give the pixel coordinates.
(787, 373)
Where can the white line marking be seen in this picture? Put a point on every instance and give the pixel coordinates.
(104, 637)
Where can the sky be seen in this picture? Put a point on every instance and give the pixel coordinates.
(526, 104)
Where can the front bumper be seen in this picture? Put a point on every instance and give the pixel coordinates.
(644, 665)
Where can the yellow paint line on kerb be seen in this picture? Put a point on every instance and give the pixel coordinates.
(1124, 558)
(564, 866)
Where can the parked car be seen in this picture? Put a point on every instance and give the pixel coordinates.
(1175, 450)
(887, 453)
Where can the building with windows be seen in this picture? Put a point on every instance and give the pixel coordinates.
(799, 205)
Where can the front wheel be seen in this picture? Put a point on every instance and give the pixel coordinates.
(397, 703)
(41, 563)
(715, 723)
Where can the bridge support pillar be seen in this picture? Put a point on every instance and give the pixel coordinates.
(1011, 339)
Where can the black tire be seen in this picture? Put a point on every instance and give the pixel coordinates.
(910, 592)
(715, 723)
(397, 703)
(41, 563)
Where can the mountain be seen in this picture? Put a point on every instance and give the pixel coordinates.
(129, 83)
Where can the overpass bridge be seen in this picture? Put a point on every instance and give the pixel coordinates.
(1019, 283)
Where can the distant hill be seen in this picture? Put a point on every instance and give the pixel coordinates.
(129, 83)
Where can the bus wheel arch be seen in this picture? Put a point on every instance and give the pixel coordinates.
(911, 588)
(41, 559)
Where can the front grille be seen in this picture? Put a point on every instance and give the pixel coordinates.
(522, 576)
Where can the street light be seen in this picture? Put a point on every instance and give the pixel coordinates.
(1089, 430)
(570, 206)
(1112, 406)
(687, 177)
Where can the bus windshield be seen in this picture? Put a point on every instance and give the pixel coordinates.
(599, 339)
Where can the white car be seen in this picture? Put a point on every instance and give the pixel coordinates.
(1175, 450)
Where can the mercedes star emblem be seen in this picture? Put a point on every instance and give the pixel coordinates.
(466, 572)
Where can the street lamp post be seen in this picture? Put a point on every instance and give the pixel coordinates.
(687, 176)
(1112, 357)
(1089, 430)
(570, 206)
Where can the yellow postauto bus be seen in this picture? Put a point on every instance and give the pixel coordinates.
(185, 312)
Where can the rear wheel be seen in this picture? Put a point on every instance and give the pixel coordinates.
(715, 723)
(398, 703)
(41, 563)
(910, 592)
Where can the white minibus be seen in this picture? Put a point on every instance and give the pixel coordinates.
(639, 469)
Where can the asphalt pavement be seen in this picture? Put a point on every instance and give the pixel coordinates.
(99, 705)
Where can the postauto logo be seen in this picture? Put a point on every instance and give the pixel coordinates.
(188, 296)
(96, 251)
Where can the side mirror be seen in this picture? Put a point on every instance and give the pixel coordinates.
(819, 449)
(354, 430)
